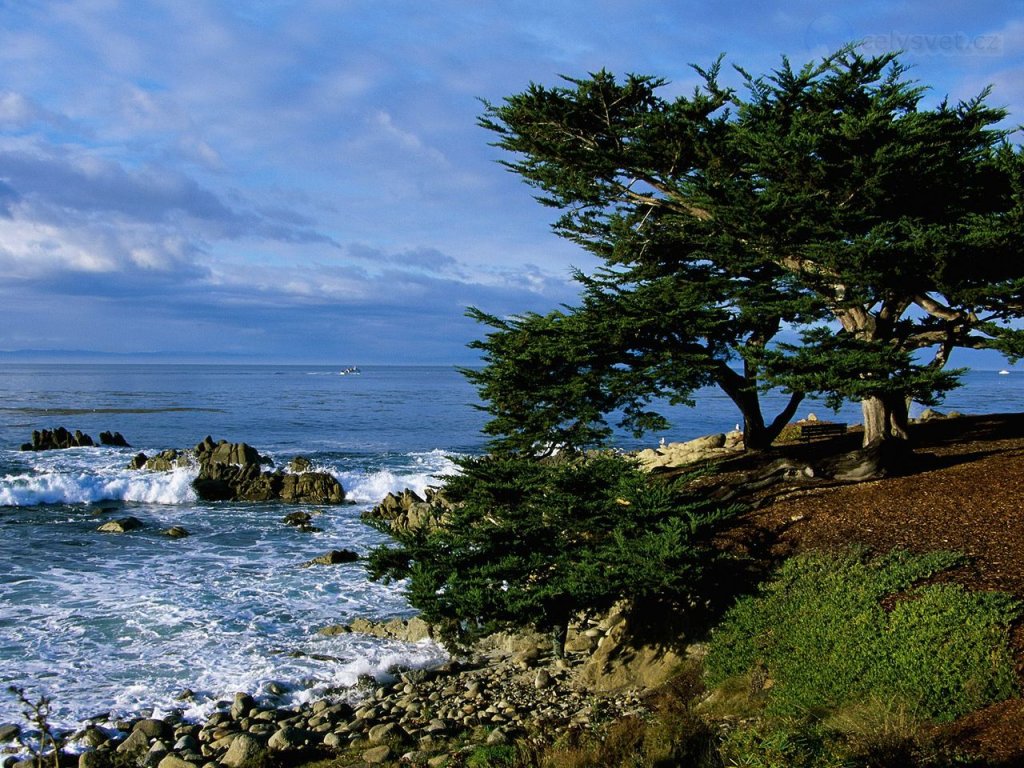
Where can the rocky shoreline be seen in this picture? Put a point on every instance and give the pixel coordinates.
(507, 687)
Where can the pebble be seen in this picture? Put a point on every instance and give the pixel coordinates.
(492, 699)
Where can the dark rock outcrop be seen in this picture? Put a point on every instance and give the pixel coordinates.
(234, 472)
(334, 557)
(60, 438)
(301, 520)
(56, 439)
(115, 439)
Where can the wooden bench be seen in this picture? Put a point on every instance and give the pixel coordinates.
(809, 432)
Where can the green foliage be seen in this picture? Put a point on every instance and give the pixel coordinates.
(829, 632)
(496, 756)
(801, 747)
(827, 193)
(43, 742)
(533, 542)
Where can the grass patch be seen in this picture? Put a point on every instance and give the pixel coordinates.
(846, 657)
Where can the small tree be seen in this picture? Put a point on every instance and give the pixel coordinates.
(532, 543)
(43, 742)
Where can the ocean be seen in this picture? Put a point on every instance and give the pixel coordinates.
(120, 624)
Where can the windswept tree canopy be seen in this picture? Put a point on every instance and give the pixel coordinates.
(828, 202)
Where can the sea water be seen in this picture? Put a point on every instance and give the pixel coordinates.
(120, 624)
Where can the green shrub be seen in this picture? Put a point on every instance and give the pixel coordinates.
(831, 631)
(534, 542)
(493, 756)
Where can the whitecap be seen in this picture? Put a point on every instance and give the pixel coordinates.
(85, 487)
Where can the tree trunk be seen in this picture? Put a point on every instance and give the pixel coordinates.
(885, 418)
(742, 390)
(559, 634)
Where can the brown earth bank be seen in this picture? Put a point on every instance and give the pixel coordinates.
(961, 490)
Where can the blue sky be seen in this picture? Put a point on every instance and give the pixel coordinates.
(304, 180)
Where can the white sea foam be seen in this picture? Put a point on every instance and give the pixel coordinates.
(83, 487)
(418, 472)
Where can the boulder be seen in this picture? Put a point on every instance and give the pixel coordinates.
(377, 755)
(153, 728)
(121, 525)
(136, 743)
(233, 472)
(174, 761)
(407, 630)
(245, 750)
(300, 464)
(176, 532)
(408, 512)
(290, 739)
(706, 448)
(311, 488)
(334, 557)
(632, 654)
(242, 704)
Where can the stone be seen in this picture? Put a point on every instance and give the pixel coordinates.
(174, 761)
(245, 750)
(407, 630)
(289, 738)
(379, 734)
(543, 680)
(121, 525)
(9, 732)
(241, 705)
(176, 532)
(334, 557)
(94, 759)
(311, 488)
(165, 461)
(408, 512)
(699, 449)
(137, 742)
(300, 464)
(187, 743)
(377, 755)
(153, 729)
(90, 737)
(335, 740)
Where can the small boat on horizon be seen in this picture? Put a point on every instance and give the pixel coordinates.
(1004, 372)
(347, 371)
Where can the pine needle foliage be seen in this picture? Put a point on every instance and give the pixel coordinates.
(534, 542)
(825, 200)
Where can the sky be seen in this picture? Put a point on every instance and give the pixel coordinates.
(305, 181)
